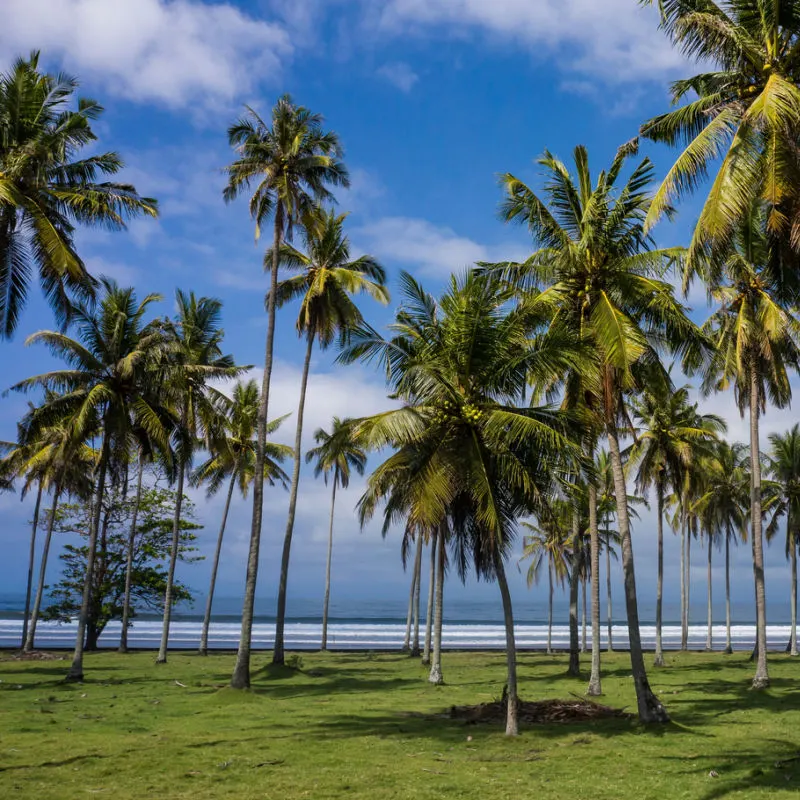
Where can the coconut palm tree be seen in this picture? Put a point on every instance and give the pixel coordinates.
(546, 545)
(336, 455)
(100, 395)
(467, 453)
(756, 340)
(743, 111)
(671, 434)
(783, 500)
(195, 360)
(290, 161)
(597, 275)
(46, 189)
(327, 280)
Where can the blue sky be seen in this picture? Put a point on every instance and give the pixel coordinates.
(432, 98)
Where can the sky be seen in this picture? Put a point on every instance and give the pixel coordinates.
(432, 100)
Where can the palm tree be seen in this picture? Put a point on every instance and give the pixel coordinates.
(195, 359)
(101, 394)
(671, 435)
(337, 453)
(546, 545)
(327, 281)
(756, 342)
(744, 112)
(784, 501)
(232, 456)
(467, 454)
(596, 275)
(46, 189)
(292, 162)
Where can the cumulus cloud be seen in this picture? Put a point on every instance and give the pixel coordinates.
(400, 75)
(179, 54)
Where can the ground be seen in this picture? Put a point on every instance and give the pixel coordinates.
(370, 726)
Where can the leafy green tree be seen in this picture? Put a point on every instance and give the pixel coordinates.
(233, 456)
(290, 162)
(46, 189)
(327, 280)
(336, 455)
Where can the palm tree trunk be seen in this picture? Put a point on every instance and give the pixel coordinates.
(649, 706)
(583, 614)
(327, 598)
(240, 679)
(550, 609)
(426, 653)
(278, 654)
(31, 560)
(126, 603)
(609, 610)
(728, 644)
(684, 615)
(595, 687)
(793, 640)
(214, 568)
(658, 661)
(689, 533)
(574, 667)
(436, 661)
(417, 588)
(410, 612)
(37, 603)
(76, 668)
(161, 658)
(512, 704)
(761, 678)
(710, 634)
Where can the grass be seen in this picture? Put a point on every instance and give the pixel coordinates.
(369, 726)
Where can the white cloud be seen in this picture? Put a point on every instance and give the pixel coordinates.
(179, 54)
(123, 274)
(400, 75)
(426, 248)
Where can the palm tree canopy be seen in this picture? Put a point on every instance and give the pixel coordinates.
(337, 453)
(547, 544)
(46, 189)
(782, 490)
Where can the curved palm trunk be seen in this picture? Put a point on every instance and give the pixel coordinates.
(278, 654)
(512, 703)
(793, 639)
(710, 633)
(728, 644)
(436, 660)
(684, 614)
(417, 589)
(583, 615)
(240, 679)
(549, 609)
(410, 612)
(161, 658)
(761, 678)
(609, 610)
(126, 603)
(327, 598)
(574, 667)
(76, 668)
(31, 560)
(37, 603)
(649, 706)
(426, 653)
(203, 650)
(658, 661)
(595, 687)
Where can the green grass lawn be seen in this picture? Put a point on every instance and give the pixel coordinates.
(370, 726)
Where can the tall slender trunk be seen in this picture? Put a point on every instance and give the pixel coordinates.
(684, 615)
(161, 658)
(37, 603)
(689, 536)
(240, 679)
(278, 654)
(326, 600)
(410, 612)
(595, 687)
(793, 557)
(658, 661)
(426, 653)
(76, 668)
(31, 560)
(583, 615)
(710, 633)
(609, 610)
(203, 650)
(728, 643)
(417, 589)
(436, 659)
(574, 667)
(126, 603)
(549, 609)
(512, 703)
(761, 678)
(649, 706)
